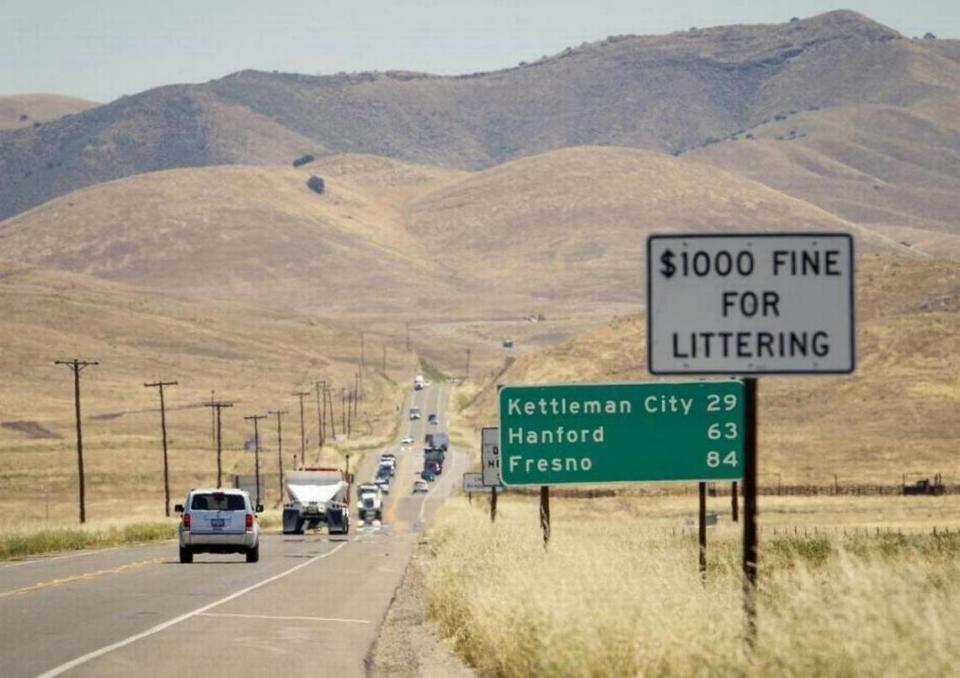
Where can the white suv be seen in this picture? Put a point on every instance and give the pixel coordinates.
(219, 521)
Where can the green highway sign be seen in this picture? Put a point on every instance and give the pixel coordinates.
(613, 433)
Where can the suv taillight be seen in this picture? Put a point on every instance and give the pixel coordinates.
(186, 521)
(249, 521)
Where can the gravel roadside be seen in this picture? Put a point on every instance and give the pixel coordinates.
(408, 644)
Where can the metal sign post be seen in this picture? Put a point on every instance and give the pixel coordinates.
(490, 464)
(744, 305)
(702, 530)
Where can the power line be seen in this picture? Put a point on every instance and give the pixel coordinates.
(163, 428)
(77, 366)
(256, 448)
(218, 405)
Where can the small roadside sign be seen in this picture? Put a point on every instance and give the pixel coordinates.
(759, 303)
(490, 455)
(608, 433)
(473, 482)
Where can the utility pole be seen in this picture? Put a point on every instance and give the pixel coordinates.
(163, 429)
(216, 406)
(328, 398)
(356, 392)
(468, 366)
(384, 360)
(343, 409)
(256, 448)
(303, 439)
(320, 408)
(408, 336)
(279, 414)
(351, 400)
(213, 419)
(362, 361)
(77, 366)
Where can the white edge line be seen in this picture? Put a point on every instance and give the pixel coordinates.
(176, 620)
(283, 617)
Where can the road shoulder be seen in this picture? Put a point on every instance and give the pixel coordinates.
(408, 644)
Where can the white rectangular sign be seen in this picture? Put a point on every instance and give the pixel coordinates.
(760, 303)
(473, 482)
(490, 456)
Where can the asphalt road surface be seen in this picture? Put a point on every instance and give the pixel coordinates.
(312, 606)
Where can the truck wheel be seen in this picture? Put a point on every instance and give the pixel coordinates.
(253, 555)
(186, 554)
(380, 515)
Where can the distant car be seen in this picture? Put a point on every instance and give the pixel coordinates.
(427, 475)
(420, 486)
(218, 521)
(432, 419)
(414, 413)
(406, 440)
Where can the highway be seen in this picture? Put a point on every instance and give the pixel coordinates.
(312, 606)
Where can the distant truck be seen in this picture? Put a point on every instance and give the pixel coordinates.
(436, 441)
(319, 495)
(369, 502)
(414, 413)
(418, 382)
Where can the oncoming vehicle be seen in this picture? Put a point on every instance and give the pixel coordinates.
(369, 502)
(420, 486)
(414, 413)
(388, 461)
(432, 419)
(428, 475)
(406, 440)
(218, 521)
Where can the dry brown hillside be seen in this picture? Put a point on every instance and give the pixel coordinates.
(893, 169)
(899, 413)
(392, 239)
(668, 93)
(251, 355)
(571, 225)
(249, 233)
(27, 110)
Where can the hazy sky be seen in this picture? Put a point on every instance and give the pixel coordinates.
(100, 49)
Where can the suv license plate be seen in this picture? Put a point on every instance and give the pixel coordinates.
(216, 522)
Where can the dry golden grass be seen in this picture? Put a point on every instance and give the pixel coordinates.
(253, 356)
(614, 594)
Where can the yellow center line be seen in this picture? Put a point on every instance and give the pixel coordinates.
(88, 576)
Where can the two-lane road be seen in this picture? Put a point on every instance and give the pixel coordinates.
(311, 606)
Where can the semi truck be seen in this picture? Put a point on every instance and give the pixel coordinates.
(318, 495)
(436, 441)
(369, 502)
(418, 382)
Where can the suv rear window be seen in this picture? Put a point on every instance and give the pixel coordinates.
(218, 502)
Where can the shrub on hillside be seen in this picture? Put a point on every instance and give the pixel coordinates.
(316, 184)
(303, 160)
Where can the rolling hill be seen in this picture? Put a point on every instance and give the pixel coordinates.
(31, 110)
(392, 239)
(668, 93)
(895, 415)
